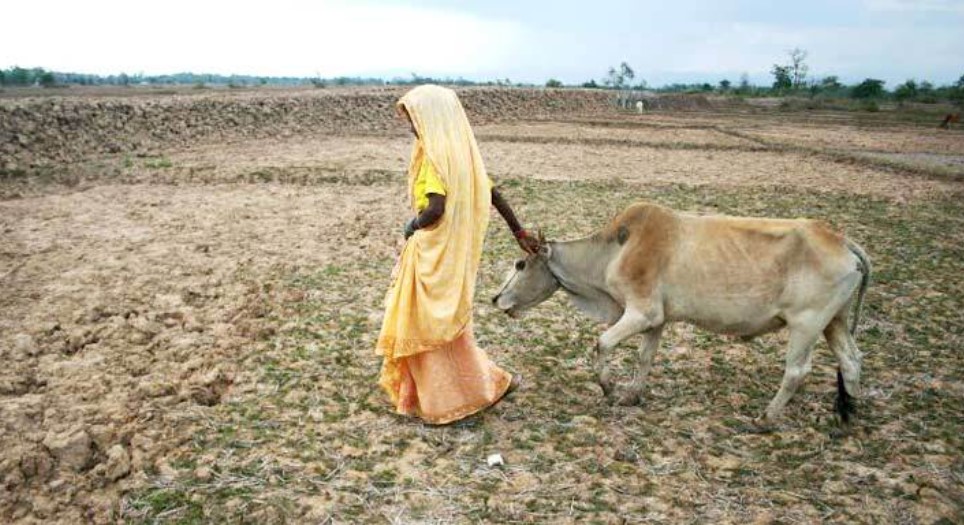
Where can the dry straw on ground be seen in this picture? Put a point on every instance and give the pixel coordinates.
(187, 337)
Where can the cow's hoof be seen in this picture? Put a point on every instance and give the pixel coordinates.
(758, 426)
(629, 398)
(841, 432)
(607, 389)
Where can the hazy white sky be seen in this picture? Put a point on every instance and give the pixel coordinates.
(681, 41)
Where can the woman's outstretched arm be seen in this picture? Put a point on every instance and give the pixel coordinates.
(526, 242)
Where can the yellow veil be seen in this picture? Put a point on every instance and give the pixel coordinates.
(429, 303)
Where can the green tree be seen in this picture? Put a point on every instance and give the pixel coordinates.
(869, 88)
(19, 76)
(627, 72)
(798, 67)
(619, 78)
(744, 88)
(926, 93)
(47, 79)
(831, 83)
(814, 88)
(553, 83)
(3, 78)
(906, 91)
(957, 92)
(590, 84)
(782, 80)
(724, 85)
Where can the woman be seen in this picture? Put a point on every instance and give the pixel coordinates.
(432, 368)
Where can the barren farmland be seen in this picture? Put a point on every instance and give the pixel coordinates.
(189, 312)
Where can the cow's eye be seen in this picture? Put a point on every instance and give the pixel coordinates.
(520, 265)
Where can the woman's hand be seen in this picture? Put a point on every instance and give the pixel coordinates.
(527, 242)
(410, 227)
(428, 217)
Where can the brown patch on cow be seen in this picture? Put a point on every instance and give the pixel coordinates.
(648, 232)
(826, 236)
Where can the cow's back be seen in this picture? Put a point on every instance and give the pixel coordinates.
(724, 272)
(735, 253)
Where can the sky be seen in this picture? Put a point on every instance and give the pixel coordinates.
(683, 41)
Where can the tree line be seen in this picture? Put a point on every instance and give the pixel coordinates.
(22, 77)
(789, 78)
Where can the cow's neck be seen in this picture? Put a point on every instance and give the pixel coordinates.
(576, 264)
(580, 268)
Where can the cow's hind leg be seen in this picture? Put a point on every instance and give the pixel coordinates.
(848, 372)
(644, 361)
(631, 323)
(798, 365)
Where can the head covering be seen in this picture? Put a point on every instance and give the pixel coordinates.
(429, 304)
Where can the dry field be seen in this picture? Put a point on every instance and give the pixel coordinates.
(188, 335)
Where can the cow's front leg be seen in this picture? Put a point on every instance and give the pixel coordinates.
(644, 362)
(631, 323)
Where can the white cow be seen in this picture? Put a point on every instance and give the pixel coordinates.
(743, 276)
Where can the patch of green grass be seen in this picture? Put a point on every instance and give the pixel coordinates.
(157, 163)
(168, 504)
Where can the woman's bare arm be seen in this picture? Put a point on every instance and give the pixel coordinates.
(432, 213)
(429, 216)
(527, 243)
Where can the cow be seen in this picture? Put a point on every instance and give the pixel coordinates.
(734, 275)
(950, 118)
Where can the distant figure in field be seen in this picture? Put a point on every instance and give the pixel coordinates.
(951, 117)
(639, 107)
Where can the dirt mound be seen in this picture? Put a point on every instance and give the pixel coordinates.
(48, 131)
(682, 102)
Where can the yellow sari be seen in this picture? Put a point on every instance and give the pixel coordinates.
(432, 368)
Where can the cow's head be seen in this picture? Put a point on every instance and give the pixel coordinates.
(530, 283)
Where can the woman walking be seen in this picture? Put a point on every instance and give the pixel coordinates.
(432, 368)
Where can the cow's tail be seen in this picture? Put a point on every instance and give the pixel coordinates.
(864, 281)
(844, 402)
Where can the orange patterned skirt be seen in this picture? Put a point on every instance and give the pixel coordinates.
(448, 384)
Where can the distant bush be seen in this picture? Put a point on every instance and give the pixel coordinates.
(957, 93)
(869, 106)
(47, 80)
(869, 88)
(553, 83)
(906, 91)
